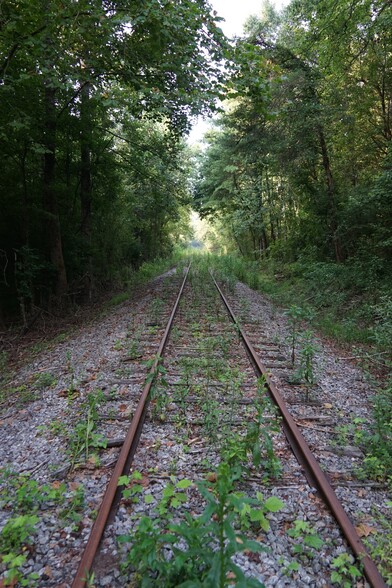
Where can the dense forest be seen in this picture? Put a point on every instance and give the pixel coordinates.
(300, 162)
(97, 97)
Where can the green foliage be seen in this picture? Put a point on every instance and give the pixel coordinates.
(380, 545)
(214, 529)
(23, 495)
(45, 380)
(257, 443)
(14, 537)
(91, 137)
(306, 369)
(295, 314)
(298, 167)
(345, 571)
(84, 437)
(309, 539)
(377, 441)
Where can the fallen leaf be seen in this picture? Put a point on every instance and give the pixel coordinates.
(48, 572)
(56, 485)
(211, 477)
(145, 482)
(328, 405)
(364, 530)
(123, 407)
(11, 583)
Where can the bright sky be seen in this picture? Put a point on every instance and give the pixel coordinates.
(235, 13)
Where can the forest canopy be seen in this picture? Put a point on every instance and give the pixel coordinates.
(300, 163)
(94, 98)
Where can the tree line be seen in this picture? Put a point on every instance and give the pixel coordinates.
(299, 165)
(95, 96)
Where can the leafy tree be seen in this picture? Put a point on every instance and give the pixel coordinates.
(75, 77)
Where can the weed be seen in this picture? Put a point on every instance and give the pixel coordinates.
(73, 509)
(305, 373)
(134, 350)
(46, 380)
(214, 529)
(308, 538)
(133, 487)
(211, 414)
(377, 442)
(257, 441)
(380, 547)
(15, 536)
(118, 299)
(84, 436)
(3, 363)
(295, 314)
(25, 496)
(346, 573)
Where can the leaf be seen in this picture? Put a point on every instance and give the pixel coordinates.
(364, 530)
(273, 504)
(313, 541)
(256, 515)
(184, 484)
(264, 524)
(123, 481)
(148, 499)
(336, 578)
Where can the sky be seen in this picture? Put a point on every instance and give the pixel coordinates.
(235, 13)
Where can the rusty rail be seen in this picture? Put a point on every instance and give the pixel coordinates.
(123, 461)
(303, 452)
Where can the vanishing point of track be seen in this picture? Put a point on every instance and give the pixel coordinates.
(300, 448)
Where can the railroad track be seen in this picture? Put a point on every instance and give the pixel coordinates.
(196, 409)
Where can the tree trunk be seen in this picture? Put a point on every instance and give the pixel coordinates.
(86, 181)
(25, 221)
(331, 195)
(85, 158)
(52, 221)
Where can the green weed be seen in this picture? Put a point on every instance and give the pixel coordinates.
(346, 573)
(215, 529)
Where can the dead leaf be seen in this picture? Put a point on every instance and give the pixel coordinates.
(56, 485)
(48, 572)
(123, 407)
(145, 482)
(328, 405)
(364, 530)
(10, 583)
(211, 477)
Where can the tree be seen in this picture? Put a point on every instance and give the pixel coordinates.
(72, 74)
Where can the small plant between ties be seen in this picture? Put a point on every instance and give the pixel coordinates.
(295, 315)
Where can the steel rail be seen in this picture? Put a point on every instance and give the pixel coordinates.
(301, 447)
(123, 461)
